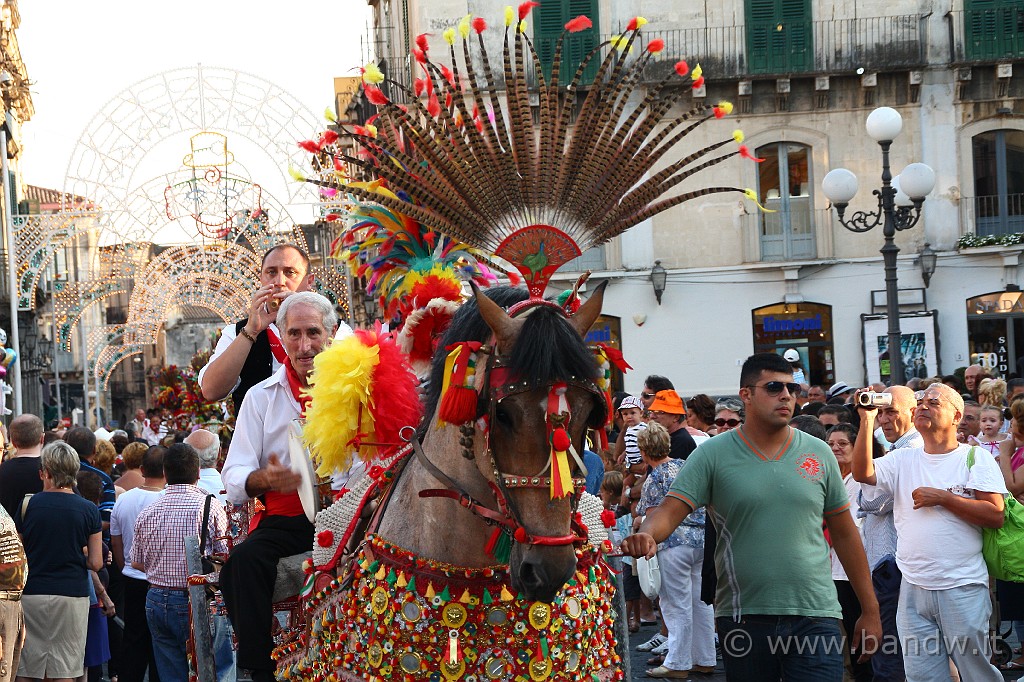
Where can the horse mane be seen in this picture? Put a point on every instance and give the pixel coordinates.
(548, 349)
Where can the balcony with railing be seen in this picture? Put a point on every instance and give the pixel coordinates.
(997, 214)
(782, 49)
(987, 35)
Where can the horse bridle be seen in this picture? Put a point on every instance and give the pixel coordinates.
(498, 385)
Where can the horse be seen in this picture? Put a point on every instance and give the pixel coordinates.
(427, 594)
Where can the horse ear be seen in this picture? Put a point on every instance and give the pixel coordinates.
(588, 312)
(504, 327)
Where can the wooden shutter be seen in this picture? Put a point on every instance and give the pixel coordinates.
(993, 29)
(549, 21)
(779, 36)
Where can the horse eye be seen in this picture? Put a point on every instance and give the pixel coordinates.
(502, 416)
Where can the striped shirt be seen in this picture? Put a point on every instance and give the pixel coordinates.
(107, 497)
(161, 529)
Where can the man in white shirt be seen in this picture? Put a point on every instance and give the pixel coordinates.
(155, 429)
(258, 465)
(251, 350)
(137, 652)
(940, 506)
(207, 445)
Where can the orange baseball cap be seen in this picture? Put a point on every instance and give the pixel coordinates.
(668, 402)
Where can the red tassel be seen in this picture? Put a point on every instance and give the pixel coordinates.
(580, 23)
(458, 405)
(560, 440)
(479, 25)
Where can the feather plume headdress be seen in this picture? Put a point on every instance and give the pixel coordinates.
(537, 194)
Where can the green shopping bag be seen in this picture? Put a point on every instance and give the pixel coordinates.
(1003, 548)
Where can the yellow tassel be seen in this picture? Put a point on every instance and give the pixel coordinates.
(381, 573)
(464, 26)
(449, 35)
(510, 15)
(726, 107)
(738, 136)
(640, 21)
(697, 72)
(330, 115)
(561, 480)
(506, 595)
(429, 594)
(401, 582)
(752, 195)
(296, 174)
(465, 598)
(372, 74)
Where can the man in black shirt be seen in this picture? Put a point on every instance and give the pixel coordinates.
(668, 409)
(19, 476)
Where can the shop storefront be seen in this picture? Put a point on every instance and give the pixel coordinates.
(995, 332)
(805, 327)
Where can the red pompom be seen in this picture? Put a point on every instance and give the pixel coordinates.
(560, 440)
(631, 26)
(682, 68)
(719, 112)
(524, 9)
(608, 518)
(697, 84)
(325, 538)
(520, 535)
(580, 23)
(656, 46)
(479, 25)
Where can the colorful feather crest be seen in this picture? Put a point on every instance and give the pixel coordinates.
(491, 174)
(363, 393)
(406, 263)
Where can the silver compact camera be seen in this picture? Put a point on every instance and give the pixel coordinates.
(872, 399)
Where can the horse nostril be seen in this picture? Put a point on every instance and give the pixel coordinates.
(531, 576)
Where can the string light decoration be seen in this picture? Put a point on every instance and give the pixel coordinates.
(207, 203)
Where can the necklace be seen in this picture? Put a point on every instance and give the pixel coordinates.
(151, 488)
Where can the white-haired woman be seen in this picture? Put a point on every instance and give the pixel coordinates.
(56, 525)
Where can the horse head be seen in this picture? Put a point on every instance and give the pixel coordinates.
(539, 365)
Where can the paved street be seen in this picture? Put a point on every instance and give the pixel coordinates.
(638, 659)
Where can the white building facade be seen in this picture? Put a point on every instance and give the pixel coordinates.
(804, 75)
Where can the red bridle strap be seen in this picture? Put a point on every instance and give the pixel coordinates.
(504, 521)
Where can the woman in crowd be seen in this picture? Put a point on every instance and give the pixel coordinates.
(700, 413)
(690, 623)
(728, 414)
(840, 439)
(1011, 457)
(992, 392)
(56, 525)
(132, 457)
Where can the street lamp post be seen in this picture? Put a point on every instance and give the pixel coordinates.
(899, 208)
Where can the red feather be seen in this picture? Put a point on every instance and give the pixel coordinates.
(513, 278)
(448, 75)
(375, 96)
(656, 45)
(419, 86)
(433, 107)
(479, 25)
(698, 83)
(329, 137)
(682, 68)
(338, 165)
(580, 23)
(745, 153)
(524, 9)
(394, 400)
(420, 55)
(421, 42)
(615, 357)
(310, 146)
(631, 26)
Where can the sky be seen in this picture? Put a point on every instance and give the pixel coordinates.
(80, 55)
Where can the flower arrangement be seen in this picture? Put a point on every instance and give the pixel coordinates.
(973, 241)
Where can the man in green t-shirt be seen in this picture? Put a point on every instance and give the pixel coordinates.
(767, 489)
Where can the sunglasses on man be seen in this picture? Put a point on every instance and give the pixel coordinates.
(775, 387)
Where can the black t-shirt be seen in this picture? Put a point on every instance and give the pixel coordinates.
(682, 444)
(18, 477)
(55, 529)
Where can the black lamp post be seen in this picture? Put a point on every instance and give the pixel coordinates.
(899, 208)
(659, 278)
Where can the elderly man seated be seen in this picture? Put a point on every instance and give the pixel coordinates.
(258, 466)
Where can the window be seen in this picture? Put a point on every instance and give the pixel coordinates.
(591, 259)
(779, 36)
(550, 19)
(784, 183)
(994, 29)
(998, 182)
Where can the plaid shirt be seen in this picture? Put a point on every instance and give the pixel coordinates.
(161, 529)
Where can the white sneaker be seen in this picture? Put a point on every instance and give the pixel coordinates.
(654, 642)
(661, 649)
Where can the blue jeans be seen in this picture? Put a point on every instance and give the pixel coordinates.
(935, 625)
(167, 614)
(223, 651)
(887, 662)
(794, 648)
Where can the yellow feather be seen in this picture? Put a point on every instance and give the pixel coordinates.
(449, 35)
(464, 26)
(510, 15)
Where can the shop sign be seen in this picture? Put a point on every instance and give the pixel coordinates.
(777, 325)
(997, 303)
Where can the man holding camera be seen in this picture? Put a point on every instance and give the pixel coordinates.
(893, 410)
(940, 503)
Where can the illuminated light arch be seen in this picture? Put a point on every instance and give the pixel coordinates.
(37, 238)
(109, 358)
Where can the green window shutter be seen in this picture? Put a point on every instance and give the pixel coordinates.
(994, 29)
(779, 36)
(549, 22)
